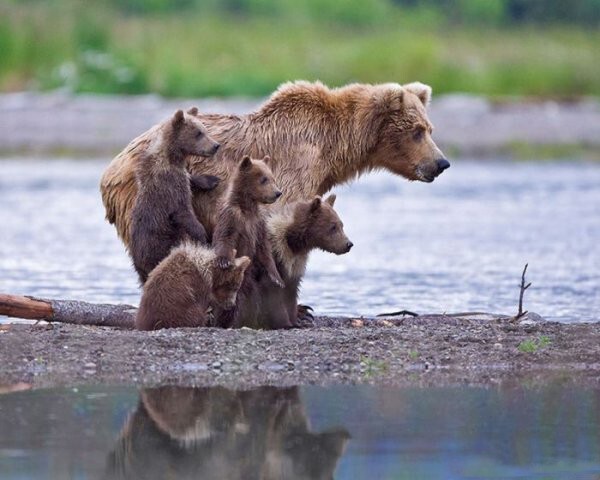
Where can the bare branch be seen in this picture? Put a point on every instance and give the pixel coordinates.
(523, 287)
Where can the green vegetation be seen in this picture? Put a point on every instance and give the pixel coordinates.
(413, 354)
(372, 367)
(532, 346)
(248, 47)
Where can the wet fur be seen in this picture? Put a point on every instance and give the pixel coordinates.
(182, 287)
(162, 215)
(241, 226)
(317, 138)
(294, 232)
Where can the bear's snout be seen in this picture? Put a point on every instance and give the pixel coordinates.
(442, 164)
(349, 245)
(216, 146)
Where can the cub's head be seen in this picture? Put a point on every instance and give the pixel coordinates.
(189, 135)
(317, 225)
(256, 179)
(405, 146)
(227, 282)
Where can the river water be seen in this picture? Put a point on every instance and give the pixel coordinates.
(458, 244)
(347, 432)
(455, 245)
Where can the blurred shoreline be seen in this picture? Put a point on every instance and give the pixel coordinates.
(66, 125)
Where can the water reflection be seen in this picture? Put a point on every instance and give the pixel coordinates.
(216, 433)
(451, 433)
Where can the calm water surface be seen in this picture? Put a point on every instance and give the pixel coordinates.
(457, 244)
(354, 432)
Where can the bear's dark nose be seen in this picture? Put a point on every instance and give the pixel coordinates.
(278, 194)
(349, 245)
(215, 148)
(442, 164)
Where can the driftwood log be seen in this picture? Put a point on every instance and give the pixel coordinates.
(67, 311)
(123, 316)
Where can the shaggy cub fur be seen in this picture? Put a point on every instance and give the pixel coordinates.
(241, 225)
(181, 288)
(294, 232)
(163, 215)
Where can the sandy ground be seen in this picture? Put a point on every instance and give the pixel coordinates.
(432, 350)
(58, 123)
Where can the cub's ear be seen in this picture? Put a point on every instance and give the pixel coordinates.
(242, 263)
(246, 163)
(422, 91)
(331, 199)
(267, 159)
(315, 205)
(234, 252)
(177, 120)
(193, 111)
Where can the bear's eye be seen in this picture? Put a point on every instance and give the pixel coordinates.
(333, 228)
(263, 180)
(418, 134)
(199, 135)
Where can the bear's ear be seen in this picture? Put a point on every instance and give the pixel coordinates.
(266, 160)
(242, 263)
(331, 199)
(315, 205)
(246, 163)
(422, 91)
(234, 252)
(177, 120)
(193, 111)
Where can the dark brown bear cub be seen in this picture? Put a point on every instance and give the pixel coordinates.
(162, 215)
(294, 231)
(181, 288)
(241, 226)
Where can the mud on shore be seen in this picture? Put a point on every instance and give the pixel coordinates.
(428, 350)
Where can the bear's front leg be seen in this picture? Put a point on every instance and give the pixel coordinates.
(264, 257)
(187, 224)
(203, 183)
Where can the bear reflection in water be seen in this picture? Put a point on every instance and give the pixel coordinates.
(216, 433)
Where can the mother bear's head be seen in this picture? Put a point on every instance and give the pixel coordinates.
(403, 142)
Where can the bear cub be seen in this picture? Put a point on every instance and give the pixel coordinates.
(180, 289)
(294, 232)
(162, 215)
(241, 226)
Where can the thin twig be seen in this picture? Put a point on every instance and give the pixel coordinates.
(523, 287)
(401, 312)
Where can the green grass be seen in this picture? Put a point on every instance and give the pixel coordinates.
(188, 54)
(373, 367)
(533, 345)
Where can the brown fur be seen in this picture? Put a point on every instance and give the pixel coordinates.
(241, 227)
(317, 138)
(294, 232)
(162, 215)
(181, 288)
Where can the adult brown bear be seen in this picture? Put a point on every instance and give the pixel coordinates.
(317, 138)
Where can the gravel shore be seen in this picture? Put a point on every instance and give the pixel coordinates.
(57, 123)
(429, 350)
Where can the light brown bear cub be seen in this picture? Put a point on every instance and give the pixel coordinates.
(163, 215)
(294, 232)
(182, 287)
(241, 226)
